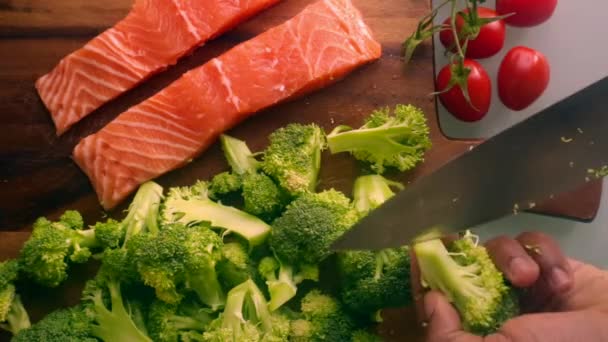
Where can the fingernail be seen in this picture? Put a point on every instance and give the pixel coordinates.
(559, 280)
(429, 306)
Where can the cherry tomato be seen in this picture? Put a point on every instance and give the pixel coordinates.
(489, 41)
(479, 87)
(523, 77)
(528, 13)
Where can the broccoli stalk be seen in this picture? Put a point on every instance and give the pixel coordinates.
(236, 266)
(465, 273)
(399, 140)
(293, 157)
(238, 155)
(282, 281)
(168, 322)
(179, 256)
(143, 211)
(371, 281)
(246, 318)
(192, 205)
(116, 322)
(13, 316)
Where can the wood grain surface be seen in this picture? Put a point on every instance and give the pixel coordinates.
(38, 177)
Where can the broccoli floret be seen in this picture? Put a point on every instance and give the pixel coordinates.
(365, 336)
(109, 234)
(309, 226)
(143, 211)
(112, 316)
(399, 140)
(261, 196)
(179, 256)
(192, 205)
(46, 255)
(323, 320)
(465, 273)
(13, 316)
(293, 157)
(371, 281)
(64, 325)
(72, 219)
(282, 280)
(246, 318)
(236, 266)
(224, 184)
(169, 322)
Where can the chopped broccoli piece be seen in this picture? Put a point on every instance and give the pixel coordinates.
(261, 196)
(109, 234)
(399, 140)
(13, 316)
(246, 318)
(293, 157)
(72, 219)
(179, 256)
(223, 184)
(236, 266)
(371, 281)
(465, 273)
(114, 319)
(282, 280)
(143, 211)
(365, 336)
(323, 320)
(309, 226)
(64, 325)
(192, 205)
(169, 322)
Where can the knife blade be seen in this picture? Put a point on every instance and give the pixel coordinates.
(554, 151)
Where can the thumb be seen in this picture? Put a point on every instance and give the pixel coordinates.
(443, 322)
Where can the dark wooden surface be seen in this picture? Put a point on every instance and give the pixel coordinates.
(37, 176)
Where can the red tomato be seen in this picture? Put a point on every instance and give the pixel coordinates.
(480, 92)
(489, 41)
(527, 12)
(523, 77)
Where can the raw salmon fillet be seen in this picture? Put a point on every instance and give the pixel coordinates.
(154, 35)
(322, 43)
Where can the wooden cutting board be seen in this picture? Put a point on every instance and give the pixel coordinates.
(37, 176)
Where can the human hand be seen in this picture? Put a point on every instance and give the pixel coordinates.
(563, 300)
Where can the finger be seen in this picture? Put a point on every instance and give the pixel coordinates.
(554, 266)
(417, 289)
(588, 326)
(513, 260)
(443, 321)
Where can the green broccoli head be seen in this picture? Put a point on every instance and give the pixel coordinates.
(66, 325)
(11, 309)
(191, 205)
(224, 184)
(371, 281)
(109, 234)
(236, 266)
(246, 318)
(262, 197)
(293, 157)
(178, 257)
(399, 140)
(365, 336)
(282, 279)
(45, 256)
(169, 322)
(72, 219)
(465, 273)
(323, 320)
(309, 226)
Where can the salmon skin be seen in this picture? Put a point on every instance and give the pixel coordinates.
(154, 35)
(323, 43)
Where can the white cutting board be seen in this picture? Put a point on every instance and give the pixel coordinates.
(575, 41)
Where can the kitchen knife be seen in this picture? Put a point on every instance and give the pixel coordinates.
(554, 151)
